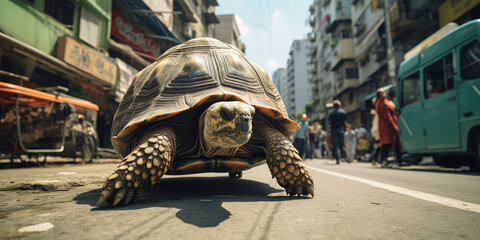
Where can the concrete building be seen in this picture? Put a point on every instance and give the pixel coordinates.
(298, 91)
(332, 69)
(187, 19)
(279, 79)
(227, 31)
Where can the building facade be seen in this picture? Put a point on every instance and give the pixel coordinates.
(227, 31)
(279, 79)
(298, 91)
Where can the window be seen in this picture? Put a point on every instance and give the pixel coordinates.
(470, 60)
(346, 33)
(439, 77)
(351, 73)
(90, 28)
(411, 89)
(60, 10)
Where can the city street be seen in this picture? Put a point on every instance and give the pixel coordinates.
(352, 201)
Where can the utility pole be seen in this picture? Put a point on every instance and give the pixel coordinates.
(390, 57)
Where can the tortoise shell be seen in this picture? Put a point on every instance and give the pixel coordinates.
(198, 72)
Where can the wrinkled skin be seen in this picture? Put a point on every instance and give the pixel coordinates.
(226, 127)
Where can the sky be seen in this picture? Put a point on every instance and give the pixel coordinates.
(268, 27)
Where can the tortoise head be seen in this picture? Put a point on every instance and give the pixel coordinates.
(228, 124)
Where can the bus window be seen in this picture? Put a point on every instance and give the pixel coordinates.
(470, 60)
(411, 89)
(439, 77)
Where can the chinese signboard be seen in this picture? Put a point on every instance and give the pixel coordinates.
(123, 30)
(86, 59)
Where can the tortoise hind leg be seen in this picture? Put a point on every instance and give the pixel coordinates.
(147, 163)
(286, 165)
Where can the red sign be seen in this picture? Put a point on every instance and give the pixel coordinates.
(127, 34)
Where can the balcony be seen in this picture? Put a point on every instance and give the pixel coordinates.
(347, 83)
(342, 51)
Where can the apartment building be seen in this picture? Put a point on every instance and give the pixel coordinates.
(298, 91)
(227, 31)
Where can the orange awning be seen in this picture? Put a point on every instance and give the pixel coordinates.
(33, 97)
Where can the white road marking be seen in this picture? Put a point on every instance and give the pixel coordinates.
(405, 191)
(42, 227)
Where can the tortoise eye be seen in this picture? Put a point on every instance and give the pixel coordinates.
(227, 113)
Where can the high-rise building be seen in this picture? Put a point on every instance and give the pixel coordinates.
(298, 89)
(279, 79)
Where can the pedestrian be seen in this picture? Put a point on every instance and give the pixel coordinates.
(336, 121)
(317, 153)
(350, 143)
(377, 146)
(300, 137)
(311, 144)
(388, 127)
(323, 143)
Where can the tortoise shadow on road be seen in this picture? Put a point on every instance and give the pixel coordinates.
(199, 199)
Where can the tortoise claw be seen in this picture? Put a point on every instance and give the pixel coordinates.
(103, 196)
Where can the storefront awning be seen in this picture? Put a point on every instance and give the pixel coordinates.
(146, 15)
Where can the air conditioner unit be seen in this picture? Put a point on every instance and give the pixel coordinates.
(187, 30)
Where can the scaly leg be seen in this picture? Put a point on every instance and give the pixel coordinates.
(145, 164)
(286, 165)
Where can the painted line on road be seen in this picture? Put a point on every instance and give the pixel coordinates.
(405, 191)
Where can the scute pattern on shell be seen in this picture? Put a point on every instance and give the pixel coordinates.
(199, 71)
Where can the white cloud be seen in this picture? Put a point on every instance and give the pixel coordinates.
(271, 65)
(277, 15)
(241, 25)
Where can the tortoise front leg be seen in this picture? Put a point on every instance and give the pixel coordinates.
(145, 164)
(286, 165)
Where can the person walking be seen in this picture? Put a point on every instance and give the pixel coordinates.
(300, 137)
(377, 146)
(337, 121)
(311, 144)
(388, 127)
(350, 143)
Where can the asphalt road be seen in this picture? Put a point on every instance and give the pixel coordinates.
(352, 201)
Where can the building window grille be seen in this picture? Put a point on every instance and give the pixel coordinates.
(346, 33)
(62, 11)
(351, 73)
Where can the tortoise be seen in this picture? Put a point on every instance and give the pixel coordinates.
(202, 106)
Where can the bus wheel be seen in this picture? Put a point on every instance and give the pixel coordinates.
(475, 164)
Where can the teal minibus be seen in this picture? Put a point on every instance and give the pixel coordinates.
(438, 93)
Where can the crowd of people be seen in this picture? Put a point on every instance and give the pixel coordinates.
(343, 143)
